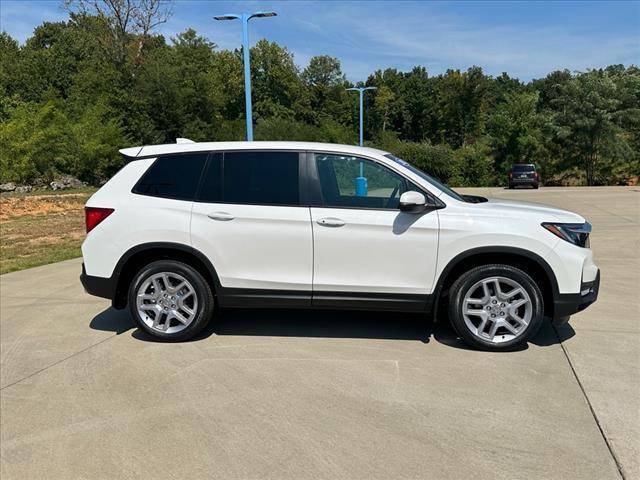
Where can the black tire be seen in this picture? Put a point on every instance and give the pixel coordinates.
(204, 295)
(511, 186)
(535, 186)
(469, 279)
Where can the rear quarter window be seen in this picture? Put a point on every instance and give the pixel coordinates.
(172, 176)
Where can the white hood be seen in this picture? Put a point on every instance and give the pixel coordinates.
(515, 208)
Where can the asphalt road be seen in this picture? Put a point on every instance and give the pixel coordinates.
(302, 394)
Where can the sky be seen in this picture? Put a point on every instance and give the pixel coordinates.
(525, 39)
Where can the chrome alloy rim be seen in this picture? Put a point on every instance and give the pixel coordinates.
(167, 302)
(497, 309)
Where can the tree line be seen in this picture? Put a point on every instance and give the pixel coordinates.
(77, 91)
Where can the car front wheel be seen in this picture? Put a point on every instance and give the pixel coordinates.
(496, 307)
(170, 300)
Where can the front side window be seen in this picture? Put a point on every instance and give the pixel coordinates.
(172, 176)
(252, 178)
(353, 182)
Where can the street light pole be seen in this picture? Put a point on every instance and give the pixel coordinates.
(361, 91)
(246, 60)
(361, 183)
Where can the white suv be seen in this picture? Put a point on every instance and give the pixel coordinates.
(186, 226)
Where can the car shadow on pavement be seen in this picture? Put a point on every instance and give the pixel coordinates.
(112, 320)
(324, 324)
(549, 335)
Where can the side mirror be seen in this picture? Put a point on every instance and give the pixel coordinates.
(412, 202)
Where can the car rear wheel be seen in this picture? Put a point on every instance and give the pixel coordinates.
(170, 300)
(496, 307)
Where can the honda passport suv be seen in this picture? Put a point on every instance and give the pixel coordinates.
(185, 227)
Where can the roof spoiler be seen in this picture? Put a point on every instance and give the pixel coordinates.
(133, 152)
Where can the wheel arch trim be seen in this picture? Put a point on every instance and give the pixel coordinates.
(529, 255)
(166, 246)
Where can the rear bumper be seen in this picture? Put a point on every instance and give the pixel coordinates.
(566, 304)
(523, 181)
(98, 286)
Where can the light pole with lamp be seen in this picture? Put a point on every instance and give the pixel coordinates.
(361, 182)
(361, 91)
(245, 17)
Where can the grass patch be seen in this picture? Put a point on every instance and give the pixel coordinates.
(40, 228)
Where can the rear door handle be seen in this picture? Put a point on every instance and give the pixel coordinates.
(220, 216)
(330, 222)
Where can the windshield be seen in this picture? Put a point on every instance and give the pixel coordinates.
(426, 177)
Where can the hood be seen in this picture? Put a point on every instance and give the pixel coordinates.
(515, 208)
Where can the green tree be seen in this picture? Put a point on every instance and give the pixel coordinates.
(514, 131)
(325, 83)
(383, 101)
(76, 91)
(586, 123)
(276, 85)
(35, 143)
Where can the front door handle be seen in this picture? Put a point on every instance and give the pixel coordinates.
(221, 216)
(330, 222)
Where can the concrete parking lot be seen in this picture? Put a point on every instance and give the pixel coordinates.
(304, 394)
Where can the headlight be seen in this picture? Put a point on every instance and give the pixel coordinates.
(576, 233)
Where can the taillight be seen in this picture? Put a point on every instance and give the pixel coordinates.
(510, 175)
(94, 215)
(536, 175)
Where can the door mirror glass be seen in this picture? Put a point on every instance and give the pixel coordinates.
(413, 202)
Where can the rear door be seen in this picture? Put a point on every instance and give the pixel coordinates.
(248, 221)
(366, 251)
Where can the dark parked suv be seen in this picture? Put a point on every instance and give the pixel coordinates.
(523, 174)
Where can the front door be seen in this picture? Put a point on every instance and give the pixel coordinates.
(249, 223)
(367, 252)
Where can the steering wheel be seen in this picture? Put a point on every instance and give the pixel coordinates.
(393, 194)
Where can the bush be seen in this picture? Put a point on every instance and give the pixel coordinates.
(39, 142)
(438, 161)
(474, 166)
(327, 130)
(35, 143)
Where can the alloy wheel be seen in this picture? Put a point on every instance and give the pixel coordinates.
(497, 309)
(166, 302)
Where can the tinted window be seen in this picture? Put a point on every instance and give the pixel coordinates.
(261, 178)
(211, 189)
(172, 176)
(347, 181)
(523, 168)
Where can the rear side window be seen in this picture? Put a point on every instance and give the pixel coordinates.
(173, 176)
(253, 178)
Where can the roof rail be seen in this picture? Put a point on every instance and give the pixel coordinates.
(184, 140)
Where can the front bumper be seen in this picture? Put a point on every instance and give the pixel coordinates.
(566, 304)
